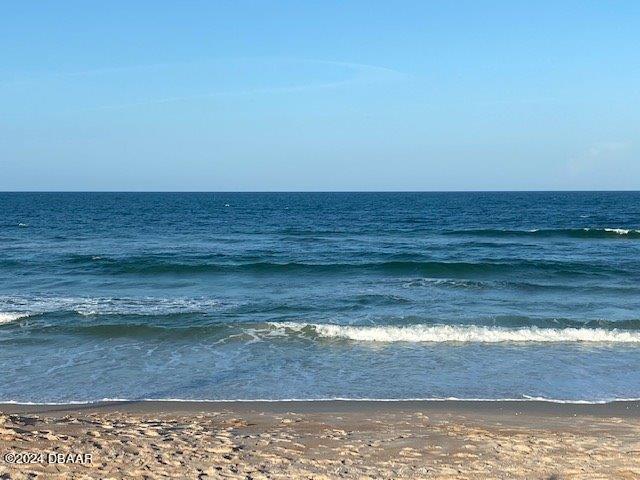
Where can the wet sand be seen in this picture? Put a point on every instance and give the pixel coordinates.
(336, 439)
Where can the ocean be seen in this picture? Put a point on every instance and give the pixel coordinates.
(228, 296)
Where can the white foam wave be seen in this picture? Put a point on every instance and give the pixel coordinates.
(6, 317)
(524, 399)
(444, 282)
(465, 334)
(619, 231)
(110, 306)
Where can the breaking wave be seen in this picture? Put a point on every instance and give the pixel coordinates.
(463, 334)
(587, 233)
(6, 317)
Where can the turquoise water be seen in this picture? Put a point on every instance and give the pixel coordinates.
(319, 295)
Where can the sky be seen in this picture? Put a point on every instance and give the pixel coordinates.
(319, 95)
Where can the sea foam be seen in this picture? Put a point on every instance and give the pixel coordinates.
(465, 334)
(89, 306)
(621, 231)
(6, 317)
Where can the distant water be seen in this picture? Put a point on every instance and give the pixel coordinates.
(319, 295)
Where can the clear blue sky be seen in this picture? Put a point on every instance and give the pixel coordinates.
(234, 95)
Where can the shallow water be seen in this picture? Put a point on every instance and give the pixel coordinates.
(319, 295)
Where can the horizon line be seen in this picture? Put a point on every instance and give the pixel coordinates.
(329, 191)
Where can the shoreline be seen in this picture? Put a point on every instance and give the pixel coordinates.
(618, 408)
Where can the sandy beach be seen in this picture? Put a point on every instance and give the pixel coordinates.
(336, 439)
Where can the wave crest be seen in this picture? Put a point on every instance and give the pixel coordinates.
(587, 233)
(463, 334)
(6, 317)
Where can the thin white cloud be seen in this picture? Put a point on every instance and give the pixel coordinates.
(600, 157)
(361, 74)
(603, 149)
(356, 73)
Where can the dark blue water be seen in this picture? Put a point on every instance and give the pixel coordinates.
(319, 295)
